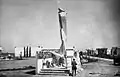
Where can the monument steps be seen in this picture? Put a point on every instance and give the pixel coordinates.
(58, 72)
(52, 71)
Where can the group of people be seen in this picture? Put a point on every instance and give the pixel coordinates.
(48, 64)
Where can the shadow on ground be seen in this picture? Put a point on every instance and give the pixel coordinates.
(15, 69)
(31, 72)
(117, 74)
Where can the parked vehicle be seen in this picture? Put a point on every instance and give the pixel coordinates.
(115, 52)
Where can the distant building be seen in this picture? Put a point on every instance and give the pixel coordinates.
(35, 49)
(18, 51)
(102, 51)
(27, 51)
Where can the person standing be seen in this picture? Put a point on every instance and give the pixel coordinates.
(81, 56)
(21, 55)
(61, 61)
(74, 68)
(44, 63)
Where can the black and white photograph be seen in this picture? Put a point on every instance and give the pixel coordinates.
(59, 38)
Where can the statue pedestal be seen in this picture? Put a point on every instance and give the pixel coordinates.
(39, 65)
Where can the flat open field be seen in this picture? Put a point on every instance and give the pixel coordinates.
(18, 63)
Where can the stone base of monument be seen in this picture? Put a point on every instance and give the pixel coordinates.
(55, 71)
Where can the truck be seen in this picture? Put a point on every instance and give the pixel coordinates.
(115, 53)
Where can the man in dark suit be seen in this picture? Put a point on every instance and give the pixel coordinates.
(74, 68)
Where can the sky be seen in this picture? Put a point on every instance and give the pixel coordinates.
(90, 23)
